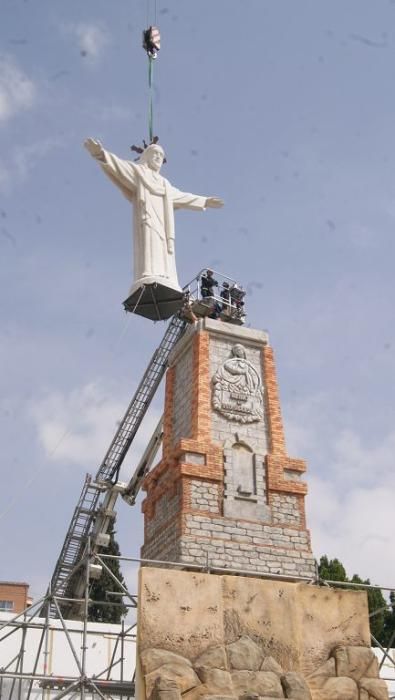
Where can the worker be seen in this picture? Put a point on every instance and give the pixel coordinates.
(207, 284)
(225, 295)
(237, 295)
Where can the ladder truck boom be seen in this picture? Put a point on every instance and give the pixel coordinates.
(66, 579)
(130, 492)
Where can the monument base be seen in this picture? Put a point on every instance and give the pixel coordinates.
(154, 301)
(205, 635)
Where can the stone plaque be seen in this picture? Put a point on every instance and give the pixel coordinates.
(237, 388)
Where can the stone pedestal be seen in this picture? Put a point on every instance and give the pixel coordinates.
(206, 635)
(226, 493)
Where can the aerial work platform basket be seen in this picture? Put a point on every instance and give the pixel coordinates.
(222, 299)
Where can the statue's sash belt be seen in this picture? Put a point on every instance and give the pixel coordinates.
(144, 187)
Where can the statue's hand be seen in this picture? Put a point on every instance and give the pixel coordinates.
(170, 246)
(94, 147)
(214, 202)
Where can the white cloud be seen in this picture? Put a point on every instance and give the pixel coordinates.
(22, 160)
(77, 427)
(354, 525)
(92, 39)
(351, 490)
(25, 157)
(17, 91)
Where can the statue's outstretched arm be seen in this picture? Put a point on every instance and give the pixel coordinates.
(187, 200)
(214, 202)
(120, 172)
(95, 148)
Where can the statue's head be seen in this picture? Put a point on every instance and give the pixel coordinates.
(238, 350)
(153, 156)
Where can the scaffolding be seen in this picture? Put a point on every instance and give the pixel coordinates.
(21, 679)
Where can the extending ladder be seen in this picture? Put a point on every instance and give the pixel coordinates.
(63, 583)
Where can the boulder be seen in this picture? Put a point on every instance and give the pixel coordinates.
(182, 674)
(337, 689)
(152, 658)
(263, 683)
(213, 657)
(255, 696)
(244, 655)
(216, 680)
(270, 664)
(319, 677)
(202, 692)
(165, 689)
(374, 688)
(196, 693)
(356, 662)
(295, 686)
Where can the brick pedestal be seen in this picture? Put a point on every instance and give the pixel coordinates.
(225, 492)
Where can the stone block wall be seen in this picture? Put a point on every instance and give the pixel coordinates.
(162, 532)
(205, 496)
(246, 545)
(286, 509)
(182, 405)
(226, 492)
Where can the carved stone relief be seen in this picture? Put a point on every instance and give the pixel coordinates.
(237, 388)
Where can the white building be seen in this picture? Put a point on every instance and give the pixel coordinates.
(110, 656)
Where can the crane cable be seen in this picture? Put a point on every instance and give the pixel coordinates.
(151, 44)
(151, 59)
(150, 105)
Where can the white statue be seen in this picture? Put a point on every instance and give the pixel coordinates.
(154, 200)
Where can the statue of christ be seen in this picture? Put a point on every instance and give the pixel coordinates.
(154, 200)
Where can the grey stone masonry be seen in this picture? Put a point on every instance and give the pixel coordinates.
(285, 509)
(164, 547)
(161, 535)
(205, 496)
(182, 406)
(242, 544)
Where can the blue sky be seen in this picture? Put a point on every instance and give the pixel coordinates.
(285, 110)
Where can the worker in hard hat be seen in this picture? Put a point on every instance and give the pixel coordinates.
(207, 284)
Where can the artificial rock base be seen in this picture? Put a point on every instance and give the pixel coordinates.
(209, 636)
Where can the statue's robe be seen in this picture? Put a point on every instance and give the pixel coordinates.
(154, 200)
